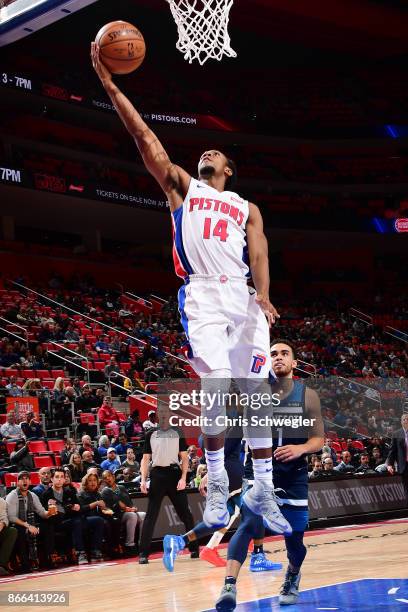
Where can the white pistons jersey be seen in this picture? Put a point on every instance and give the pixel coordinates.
(209, 233)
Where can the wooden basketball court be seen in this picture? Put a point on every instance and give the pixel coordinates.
(335, 556)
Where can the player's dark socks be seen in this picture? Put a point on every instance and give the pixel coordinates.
(258, 549)
(230, 580)
(186, 539)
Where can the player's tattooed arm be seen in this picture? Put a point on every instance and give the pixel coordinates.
(259, 263)
(171, 178)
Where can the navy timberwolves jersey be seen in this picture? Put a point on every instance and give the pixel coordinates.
(290, 479)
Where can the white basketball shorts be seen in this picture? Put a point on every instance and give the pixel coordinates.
(225, 327)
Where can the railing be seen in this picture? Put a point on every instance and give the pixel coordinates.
(69, 361)
(8, 332)
(99, 323)
(393, 331)
(138, 297)
(306, 363)
(369, 392)
(18, 326)
(116, 375)
(74, 353)
(361, 316)
(159, 299)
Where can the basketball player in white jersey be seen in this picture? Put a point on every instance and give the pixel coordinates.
(225, 321)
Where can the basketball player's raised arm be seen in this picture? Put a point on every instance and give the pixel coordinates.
(169, 176)
(259, 262)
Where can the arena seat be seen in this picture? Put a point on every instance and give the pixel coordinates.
(10, 479)
(44, 461)
(87, 418)
(10, 446)
(56, 446)
(38, 446)
(35, 478)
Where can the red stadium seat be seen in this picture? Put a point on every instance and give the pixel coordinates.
(43, 374)
(10, 372)
(57, 460)
(44, 461)
(336, 446)
(358, 444)
(3, 418)
(37, 446)
(10, 480)
(35, 478)
(56, 446)
(87, 418)
(57, 373)
(10, 446)
(99, 365)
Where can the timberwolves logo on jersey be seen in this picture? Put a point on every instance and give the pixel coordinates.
(292, 476)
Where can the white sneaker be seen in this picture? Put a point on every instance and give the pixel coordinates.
(263, 501)
(216, 513)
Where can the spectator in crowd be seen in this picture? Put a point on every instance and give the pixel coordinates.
(23, 507)
(70, 447)
(86, 401)
(364, 466)
(108, 417)
(130, 461)
(59, 390)
(10, 430)
(345, 466)
(68, 479)
(45, 481)
(86, 445)
(328, 443)
(71, 521)
(134, 426)
(103, 446)
(111, 462)
(76, 467)
(151, 421)
(328, 470)
(122, 447)
(88, 461)
(201, 472)
(102, 345)
(20, 458)
(92, 504)
(127, 475)
(399, 452)
(376, 458)
(71, 335)
(8, 536)
(317, 469)
(31, 428)
(13, 389)
(117, 499)
(111, 368)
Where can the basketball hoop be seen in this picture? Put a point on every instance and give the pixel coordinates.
(202, 28)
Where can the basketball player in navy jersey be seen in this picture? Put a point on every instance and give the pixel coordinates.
(290, 450)
(217, 234)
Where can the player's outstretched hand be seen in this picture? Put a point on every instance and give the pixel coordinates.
(100, 68)
(268, 308)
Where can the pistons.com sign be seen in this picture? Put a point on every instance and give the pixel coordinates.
(401, 225)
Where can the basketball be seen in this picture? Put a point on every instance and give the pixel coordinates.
(122, 46)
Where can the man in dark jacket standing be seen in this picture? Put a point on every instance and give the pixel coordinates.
(399, 451)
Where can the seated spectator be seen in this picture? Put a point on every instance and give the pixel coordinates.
(117, 499)
(103, 446)
(108, 417)
(76, 467)
(111, 369)
(31, 428)
(364, 466)
(20, 457)
(345, 466)
(45, 481)
(68, 479)
(86, 445)
(23, 507)
(134, 426)
(376, 459)
(92, 504)
(8, 536)
(201, 472)
(71, 520)
(13, 389)
(127, 475)
(86, 401)
(317, 469)
(71, 335)
(151, 421)
(88, 461)
(130, 461)
(328, 470)
(70, 447)
(102, 345)
(59, 390)
(10, 430)
(328, 443)
(122, 447)
(111, 462)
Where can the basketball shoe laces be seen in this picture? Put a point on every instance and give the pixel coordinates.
(216, 495)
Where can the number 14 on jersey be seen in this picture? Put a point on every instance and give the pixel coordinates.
(219, 230)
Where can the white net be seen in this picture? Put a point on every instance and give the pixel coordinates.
(202, 28)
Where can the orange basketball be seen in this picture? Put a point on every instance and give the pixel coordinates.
(122, 47)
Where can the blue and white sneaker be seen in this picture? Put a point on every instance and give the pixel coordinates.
(216, 513)
(289, 592)
(259, 563)
(172, 545)
(263, 501)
